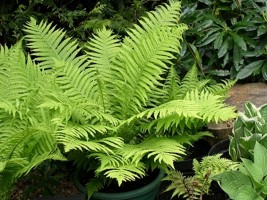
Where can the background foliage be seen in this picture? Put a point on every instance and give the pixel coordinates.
(78, 17)
(226, 38)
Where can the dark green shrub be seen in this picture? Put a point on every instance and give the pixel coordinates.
(227, 38)
(79, 18)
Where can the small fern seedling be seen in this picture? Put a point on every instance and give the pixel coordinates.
(194, 187)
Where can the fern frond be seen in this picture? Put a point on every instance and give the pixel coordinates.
(93, 186)
(168, 91)
(213, 165)
(195, 110)
(176, 113)
(221, 88)
(83, 111)
(212, 108)
(102, 50)
(38, 159)
(13, 77)
(161, 150)
(77, 137)
(144, 56)
(118, 168)
(59, 58)
(185, 187)
(190, 82)
(189, 138)
(48, 44)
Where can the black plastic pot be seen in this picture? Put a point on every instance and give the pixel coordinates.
(148, 192)
(221, 147)
(198, 151)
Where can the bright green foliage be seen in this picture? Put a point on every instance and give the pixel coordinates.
(249, 182)
(27, 136)
(94, 105)
(196, 186)
(250, 127)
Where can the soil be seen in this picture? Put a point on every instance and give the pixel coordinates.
(46, 180)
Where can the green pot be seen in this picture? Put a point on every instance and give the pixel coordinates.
(148, 192)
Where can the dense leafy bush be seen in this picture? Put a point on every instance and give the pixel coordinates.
(78, 17)
(227, 38)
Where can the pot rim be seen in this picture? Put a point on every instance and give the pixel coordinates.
(129, 194)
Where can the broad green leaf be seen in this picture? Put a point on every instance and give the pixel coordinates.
(218, 41)
(264, 71)
(264, 182)
(254, 171)
(203, 25)
(207, 2)
(218, 72)
(249, 69)
(247, 192)
(239, 41)
(263, 112)
(210, 39)
(260, 157)
(237, 55)
(261, 30)
(224, 48)
(231, 181)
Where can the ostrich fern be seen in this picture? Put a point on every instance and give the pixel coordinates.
(95, 103)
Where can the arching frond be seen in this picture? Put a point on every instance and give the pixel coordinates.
(212, 108)
(144, 56)
(115, 167)
(162, 150)
(102, 50)
(197, 108)
(47, 44)
(189, 82)
(167, 91)
(221, 88)
(77, 138)
(13, 77)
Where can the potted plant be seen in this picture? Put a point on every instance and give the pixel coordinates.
(110, 110)
(249, 128)
(249, 182)
(198, 185)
